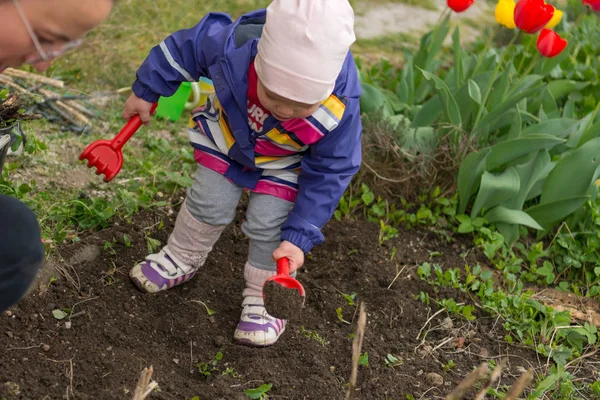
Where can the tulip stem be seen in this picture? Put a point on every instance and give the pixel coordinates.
(486, 47)
(532, 65)
(443, 16)
(491, 84)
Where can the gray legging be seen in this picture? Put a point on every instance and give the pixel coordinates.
(21, 250)
(213, 200)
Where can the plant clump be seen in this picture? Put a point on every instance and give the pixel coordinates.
(11, 110)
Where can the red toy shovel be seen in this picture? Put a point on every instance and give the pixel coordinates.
(283, 295)
(106, 155)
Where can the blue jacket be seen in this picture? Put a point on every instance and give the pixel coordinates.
(222, 50)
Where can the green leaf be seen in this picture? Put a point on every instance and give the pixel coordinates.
(546, 269)
(368, 198)
(474, 91)
(549, 213)
(431, 44)
(424, 270)
(522, 91)
(562, 87)
(507, 216)
(581, 129)
(448, 101)
(500, 87)
(364, 359)
(516, 125)
(458, 58)
(421, 140)
(428, 113)
(374, 99)
(573, 174)
(509, 232)
(559, 127)
(548, 103)
(259, 392)
(469, 176)
(59, 314)
(406, 90)
(495, 189)
(590, 133)
(505, 152)
(530, 174)
(569, 109)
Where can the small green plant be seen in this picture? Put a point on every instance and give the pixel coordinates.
(229, 371)
(208, 368)
(153, 244)
(595, 388)
(392, 361)
(259, 393)
(314, 335)
(340, 315)
(449, 365)
(542, 328)
(350, 298)
(52, 280)
(127, 240)
(386, 232)
(364, 359)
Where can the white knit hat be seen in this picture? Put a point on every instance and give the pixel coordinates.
(303, 47)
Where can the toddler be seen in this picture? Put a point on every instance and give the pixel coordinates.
(283, 124)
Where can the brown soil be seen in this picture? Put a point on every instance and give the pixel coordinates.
(282, 302)
(114, 331)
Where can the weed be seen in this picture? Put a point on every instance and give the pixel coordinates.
(208, 368)
(364, 359)
(153, 244)
(449, 365)
(349, 298)
(314, 335)
(340, 315)
(392, 361)
(259, 393)
(540, 327)
(127, 240)
(232, 372)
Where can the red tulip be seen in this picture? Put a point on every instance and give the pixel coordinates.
(594, 4)
(532, 15)
(550, 44)
(460, 5)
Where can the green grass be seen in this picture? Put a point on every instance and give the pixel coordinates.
(113, 51)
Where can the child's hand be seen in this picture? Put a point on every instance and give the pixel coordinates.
(136, 106)
(291, 251)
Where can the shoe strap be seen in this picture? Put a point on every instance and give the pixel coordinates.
(169, 263)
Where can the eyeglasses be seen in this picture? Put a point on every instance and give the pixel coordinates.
(43, 54)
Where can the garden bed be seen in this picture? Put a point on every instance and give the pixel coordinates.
(109, 331)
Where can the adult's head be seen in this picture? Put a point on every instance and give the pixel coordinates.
(35, 31)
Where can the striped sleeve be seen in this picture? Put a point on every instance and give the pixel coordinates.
(327, 118)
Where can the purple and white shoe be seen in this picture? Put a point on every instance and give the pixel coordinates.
(160, 272)
(257, 328)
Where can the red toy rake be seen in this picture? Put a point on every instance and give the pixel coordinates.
(106, 155)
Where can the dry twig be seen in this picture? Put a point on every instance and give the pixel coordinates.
(38, 78)
(144, 386)
(519, 386)
(356, 348)
(493, 378)
(71, 110)
(468, 382)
